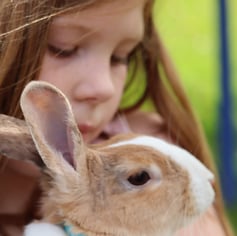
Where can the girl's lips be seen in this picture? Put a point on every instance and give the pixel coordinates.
(85, 128)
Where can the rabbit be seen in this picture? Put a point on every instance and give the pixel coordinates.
(128, 185)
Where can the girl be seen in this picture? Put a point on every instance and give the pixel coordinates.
(85, 48)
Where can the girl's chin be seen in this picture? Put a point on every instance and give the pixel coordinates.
(87, 138)
(89, 133)
(90, 138)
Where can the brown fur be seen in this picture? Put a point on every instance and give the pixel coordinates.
(103, 199)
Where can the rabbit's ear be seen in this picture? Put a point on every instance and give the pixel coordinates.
(53, 127)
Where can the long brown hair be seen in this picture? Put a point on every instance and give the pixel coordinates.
(170, 101)
(23, 39)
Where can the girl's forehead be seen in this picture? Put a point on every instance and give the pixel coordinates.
(102, 8)
(125, 14)
(119, 4)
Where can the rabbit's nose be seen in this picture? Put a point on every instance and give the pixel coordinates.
(211, 180)
(205, 173)
(209, 175)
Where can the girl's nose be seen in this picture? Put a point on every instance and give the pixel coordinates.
(94, 83)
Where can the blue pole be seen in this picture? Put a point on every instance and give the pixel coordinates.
(226, 124)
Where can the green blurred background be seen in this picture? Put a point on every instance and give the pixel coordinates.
(190, 32)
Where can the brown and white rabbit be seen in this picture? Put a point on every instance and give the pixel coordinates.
(130, 185)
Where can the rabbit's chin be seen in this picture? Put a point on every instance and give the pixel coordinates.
(45, 229)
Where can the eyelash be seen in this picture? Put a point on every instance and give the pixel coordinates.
(124, 60)
(119, 60)
(63, 53)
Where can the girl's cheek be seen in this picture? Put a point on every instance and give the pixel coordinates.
(121, 76)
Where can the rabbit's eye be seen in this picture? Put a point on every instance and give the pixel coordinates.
(139, 178)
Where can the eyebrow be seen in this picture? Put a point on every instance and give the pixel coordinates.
(85, 31)
(82, 30)
(71, 25)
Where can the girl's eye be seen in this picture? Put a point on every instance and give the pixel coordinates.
(62, 53)
(119, 60)
(122, 60)
(115, 59)
(139, 178)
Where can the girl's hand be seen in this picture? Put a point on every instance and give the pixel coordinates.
(19, 191)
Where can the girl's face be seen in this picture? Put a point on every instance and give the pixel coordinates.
(87, 59)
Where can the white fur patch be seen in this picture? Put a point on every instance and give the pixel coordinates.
(200, 176)
(43, 229)
(177, 154)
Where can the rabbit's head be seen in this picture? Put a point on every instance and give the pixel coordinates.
(129, 185)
